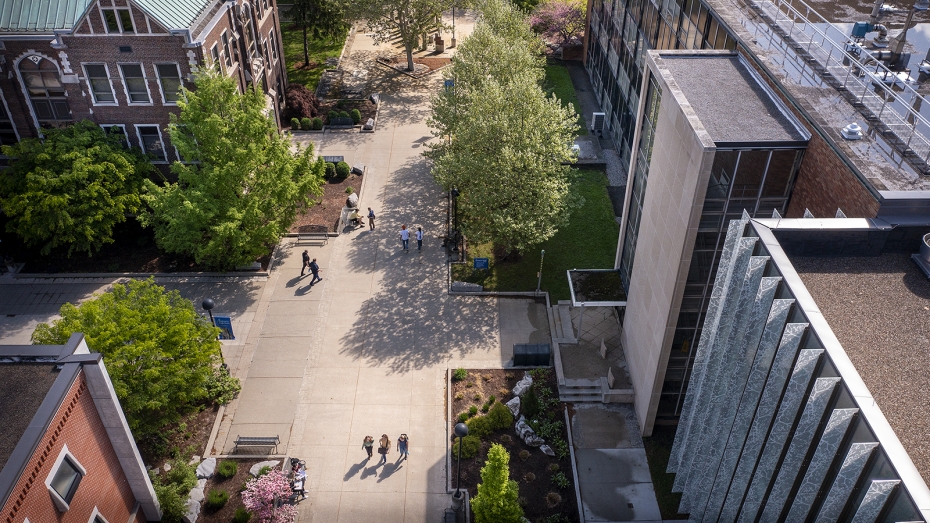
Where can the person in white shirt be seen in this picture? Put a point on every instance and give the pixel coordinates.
(419, 238)
(405, 238)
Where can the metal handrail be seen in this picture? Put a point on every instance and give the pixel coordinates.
(835, 59)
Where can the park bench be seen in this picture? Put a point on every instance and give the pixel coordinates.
(253, 441)
(321, 237)
(334, 159)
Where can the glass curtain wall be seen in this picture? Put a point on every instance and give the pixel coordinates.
(620, 33)
(757, 180)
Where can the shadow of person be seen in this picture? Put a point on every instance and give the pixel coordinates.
(388, 470)
(294, 281)
(353, 470)
(369, 471)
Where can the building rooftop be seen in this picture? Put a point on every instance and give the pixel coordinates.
(47, 16)
(23, 387)
(750, 113)
(879, 310)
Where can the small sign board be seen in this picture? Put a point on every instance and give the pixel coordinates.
(449, 83)
(225, 325)
(482, 263)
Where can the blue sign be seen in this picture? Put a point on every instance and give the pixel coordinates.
(225, 325)
(482, 263)
(449, 83)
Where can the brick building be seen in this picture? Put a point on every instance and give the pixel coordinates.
(66, 452)
(119, 63)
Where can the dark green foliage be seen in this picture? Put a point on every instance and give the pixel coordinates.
(560, 446)
(216, 499)
(317, 124)
(330, 170)
(305, 124)
(318, 18)
(295, 124)
(546, 428)
(500, 417)
(555, 518)
(356, 115)
(459, 374)
(463, 417)
(485, 408)
(172, 489)
(71, 188)
(332, 114)
(473, 410)
(242, 516)
(479, 426)
(221, 387)
(561, 480)
(264, 470)
(227, 469)
(530, 403)
(470, 446)
(342, 169)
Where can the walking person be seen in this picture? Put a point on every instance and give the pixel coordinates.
(315, 270)
(405, 238)
(402, 443)
(384, 448)
(367, 444)
(371, 219)
(419, 238)
(306, 261)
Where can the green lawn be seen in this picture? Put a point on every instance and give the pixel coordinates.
(559, 82)
(320, 50)
(589, 241)
(658, 450)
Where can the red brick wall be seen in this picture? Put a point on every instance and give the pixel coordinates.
(78, 425)
(825, 183)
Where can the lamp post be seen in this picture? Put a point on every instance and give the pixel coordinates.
(461, 430)
(208, 306)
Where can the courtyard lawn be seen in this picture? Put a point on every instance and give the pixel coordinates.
(320, 50)
(589, 241)
(558, 82)
(658, 449)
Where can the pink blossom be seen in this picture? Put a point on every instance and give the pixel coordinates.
(260, 494)
(560, 20)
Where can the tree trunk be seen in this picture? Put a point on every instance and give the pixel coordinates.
(306, 49)
(410, 60)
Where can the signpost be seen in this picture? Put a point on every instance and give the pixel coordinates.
(225, 325)
(482, 263)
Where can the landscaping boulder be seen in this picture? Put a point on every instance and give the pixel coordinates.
(193, 511)
(197, 494)
(547, 450)
(206, 468)
(527, 434)
(514, 406)
(201, 483)
(523, 385)
(258, 466)
(194, 460)
(358, 169)
(369, 125)
(352, 200)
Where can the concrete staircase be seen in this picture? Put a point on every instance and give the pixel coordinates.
(563, 332)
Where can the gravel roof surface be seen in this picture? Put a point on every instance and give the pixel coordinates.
(23, 387)
(731, 104)
(879, 309)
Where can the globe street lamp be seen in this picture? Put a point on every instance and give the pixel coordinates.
(208, 306)
(461, 430)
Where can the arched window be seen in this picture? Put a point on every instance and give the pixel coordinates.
(46, 92)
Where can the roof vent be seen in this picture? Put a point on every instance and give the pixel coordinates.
(852, 132)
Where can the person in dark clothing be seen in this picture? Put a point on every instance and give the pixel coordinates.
(315, 270)
(306, 262)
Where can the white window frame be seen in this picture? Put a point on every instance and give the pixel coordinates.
(119, 21)
(160, 139)
(96, 514)
(90, 86)
(274, 46)
(226, 42)
(106, 126)
(217, 58)
(62, 505)
(161, 88)
(145, 78)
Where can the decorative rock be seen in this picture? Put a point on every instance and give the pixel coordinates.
(206, 468)
(523, 385)
(358, 169)
(461, 286)
(547, 450)
(167, 466)
(197, 495)
(527, 434)
(194, 460)
(533, 440)
(369, 125)
(258, 466)
(514, 406)
(352, 200)
(201, 483)
(193, 511)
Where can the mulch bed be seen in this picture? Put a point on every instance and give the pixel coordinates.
(190, 437)
(364, 106)
(533, 492)
(233, 486)
(422, 66)
(323, 216)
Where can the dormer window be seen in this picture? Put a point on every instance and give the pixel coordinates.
(118, 20)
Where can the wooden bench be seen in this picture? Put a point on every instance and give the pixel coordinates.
(252, 441)
(321, 237)
(334, 159)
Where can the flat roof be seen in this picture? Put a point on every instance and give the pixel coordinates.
(732, 104)
(23, 387)
(879, 309)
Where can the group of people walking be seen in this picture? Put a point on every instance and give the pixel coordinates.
(405, 238)
(384, 446)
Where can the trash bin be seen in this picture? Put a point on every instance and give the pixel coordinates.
(531, 354)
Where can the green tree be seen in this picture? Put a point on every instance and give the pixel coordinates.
(241, 185)
(159, 352)
(71, 188)
(319, 18)
(400, 22)
(496, 501)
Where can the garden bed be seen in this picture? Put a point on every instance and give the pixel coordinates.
(364, 106)
(533, 470)
(189, 437)
(422, 65)
(233, 486)
(324, 214)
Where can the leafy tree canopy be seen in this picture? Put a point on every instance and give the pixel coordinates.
(320, 18)
(497, 499)
(242, 185)
(159, 352)
(71, 188)
(400, 22)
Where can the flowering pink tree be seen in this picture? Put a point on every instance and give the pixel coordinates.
(559, 20)
(260, 494)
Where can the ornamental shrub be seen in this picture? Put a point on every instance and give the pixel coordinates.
(500, 417)
(459, 374)
(300, 102)
(330, 170)
(242, 516)
(479, 426)
(317, 124)
(530, 403)
(470, 446)
(342, 170)
(350, 189)
(332, 114)
(498, 495)
(356, 115)
(260, 495)
(295, 124)
(216, 499)
(305, 124)
(343, 114)
(227, 469)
